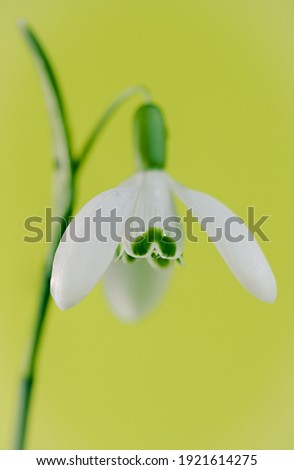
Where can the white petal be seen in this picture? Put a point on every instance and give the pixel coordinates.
(155, 200)
(134, 288)
(77, 265)
(244, 258)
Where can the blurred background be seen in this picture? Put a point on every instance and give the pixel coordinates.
(211, 367)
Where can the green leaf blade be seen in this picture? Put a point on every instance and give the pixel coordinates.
(60, 130)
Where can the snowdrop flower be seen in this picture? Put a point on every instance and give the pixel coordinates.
(137, 271)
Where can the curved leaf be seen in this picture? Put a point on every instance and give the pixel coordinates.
(58, 120)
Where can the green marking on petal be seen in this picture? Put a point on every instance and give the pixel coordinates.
(118, 251)
(167, 246)
(162, 262)
(141, 245)
(129, 259)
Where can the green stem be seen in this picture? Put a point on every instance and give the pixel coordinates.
(107, 115)
(28, 381)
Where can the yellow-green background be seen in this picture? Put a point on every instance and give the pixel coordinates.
(212, 367)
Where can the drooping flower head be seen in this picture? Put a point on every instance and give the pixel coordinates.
(133, 236)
